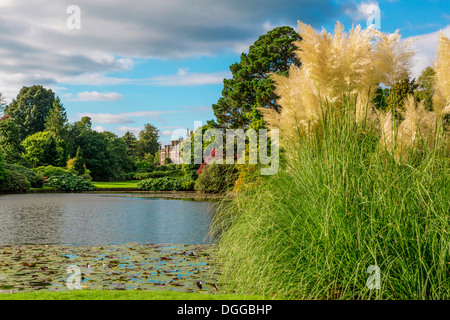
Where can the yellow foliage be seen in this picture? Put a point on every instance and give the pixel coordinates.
(70, 163)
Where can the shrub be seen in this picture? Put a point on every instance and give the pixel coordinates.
(164, 184)
(50, 171)
(340, 206)
(70, 182)
(343, 204)
(216, 178)
(143, 166)
(156, 174)
(36, 180)
(125, 176)
(86, 175)
(2, 167)
(14, 182)
(168, 167)
(190, 171)
(188, 185)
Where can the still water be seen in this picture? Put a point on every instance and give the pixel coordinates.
(100, 219)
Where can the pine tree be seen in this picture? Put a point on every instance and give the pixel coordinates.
(78, 164)
(56, 119)
(251, 86)
(131, 141)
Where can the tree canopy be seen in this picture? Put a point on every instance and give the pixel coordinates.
(30, 109)
(148, 141)
(251, 86)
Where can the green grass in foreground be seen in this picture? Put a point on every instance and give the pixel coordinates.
(118, 184)
(122, 295)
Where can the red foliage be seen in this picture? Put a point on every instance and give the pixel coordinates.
(207, 159)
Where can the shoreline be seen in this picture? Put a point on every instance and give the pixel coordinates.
(135, 192)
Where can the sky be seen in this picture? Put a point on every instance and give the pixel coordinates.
(128, 63)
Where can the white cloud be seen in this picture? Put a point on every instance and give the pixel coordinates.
(38, 48)
(166, 133)
(360, 11)
(100, 129)
(97, 96)
(106, 118)
(134, 130)
(185, 78)
(426, 46)
(124, 117)
(146, 114)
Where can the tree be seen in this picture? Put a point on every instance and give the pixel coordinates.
(74, 132)
(10, 141)
(148, 141)
(424, 90)
(2, 167)
(56, 119)
(117, 149)
(131, 142)
(41, 149)
(251, 86)
(96, 154)
(397, 95)
(78, 162)
(30, 109)
(380, 98)
(150, 158)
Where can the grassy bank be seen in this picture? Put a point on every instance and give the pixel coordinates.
(122, 295)
(117, 185)
(339, 206)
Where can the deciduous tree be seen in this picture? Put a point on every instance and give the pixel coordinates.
(30, 109)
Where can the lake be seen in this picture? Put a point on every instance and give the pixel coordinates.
(102, 219)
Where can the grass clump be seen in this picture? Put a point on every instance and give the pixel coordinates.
(312, 231)
(358, 189)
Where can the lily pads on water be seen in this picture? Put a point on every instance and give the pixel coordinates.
(122, 267)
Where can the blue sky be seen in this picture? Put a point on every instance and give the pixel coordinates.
(163, 61)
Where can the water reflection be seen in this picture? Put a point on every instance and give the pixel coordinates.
(91, 219)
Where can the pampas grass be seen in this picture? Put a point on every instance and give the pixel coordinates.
(335, 68)
(359, 189)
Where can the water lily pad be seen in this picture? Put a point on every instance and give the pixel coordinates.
(129, 266)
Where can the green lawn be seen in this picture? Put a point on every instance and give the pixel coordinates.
(119, 184)
(122, 295)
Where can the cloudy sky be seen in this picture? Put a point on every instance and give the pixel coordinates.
(127, 63)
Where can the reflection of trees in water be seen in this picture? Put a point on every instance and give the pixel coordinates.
(90, 219)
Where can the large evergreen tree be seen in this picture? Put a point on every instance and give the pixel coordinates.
(30, 109)
(131, 141)
(250, 86)
(56, 119)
